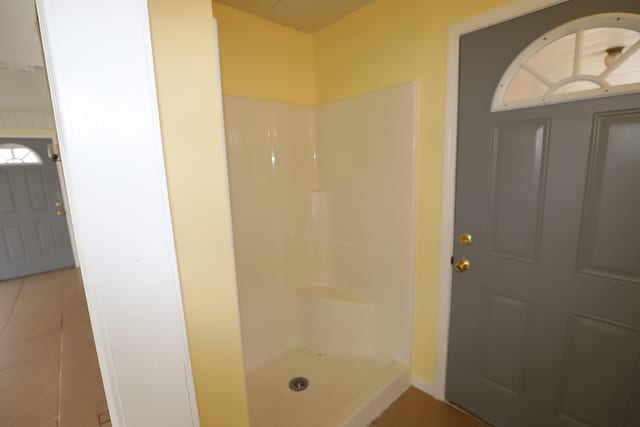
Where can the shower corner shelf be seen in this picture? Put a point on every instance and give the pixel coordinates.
(330, 293)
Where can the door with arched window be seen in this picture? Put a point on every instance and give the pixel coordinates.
(545, 316)
(34, 236)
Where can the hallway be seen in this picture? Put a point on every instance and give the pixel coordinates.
(49, 375)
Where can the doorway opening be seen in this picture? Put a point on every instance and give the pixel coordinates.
(48, 363)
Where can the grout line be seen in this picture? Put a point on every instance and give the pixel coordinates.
(60, 379)
(59, 416)
(13, 308)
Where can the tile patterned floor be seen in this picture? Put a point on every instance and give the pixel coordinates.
(49, 374)
(416, 409)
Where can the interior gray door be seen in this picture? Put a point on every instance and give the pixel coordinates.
(545, 325)
(33, 229)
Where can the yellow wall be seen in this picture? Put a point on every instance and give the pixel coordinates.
(264, 60)
(382, 44)
(191, 121)
(385, 43)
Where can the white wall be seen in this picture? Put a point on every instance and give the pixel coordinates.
(323, 215)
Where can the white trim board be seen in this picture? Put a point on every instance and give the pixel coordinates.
(422, 385)
(63, 187)
(104, 98)
(504, 13)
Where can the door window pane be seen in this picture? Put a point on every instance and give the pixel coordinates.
(16, 154)
(555, 61)
(594, 56)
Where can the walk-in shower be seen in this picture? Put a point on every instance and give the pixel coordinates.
(323, 219)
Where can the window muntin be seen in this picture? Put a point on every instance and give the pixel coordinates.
(590, 57)
(16, 154)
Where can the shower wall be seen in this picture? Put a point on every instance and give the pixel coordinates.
(368, 171)
(323, 217)
(268, 147)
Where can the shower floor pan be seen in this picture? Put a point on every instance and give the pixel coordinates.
(343, 390)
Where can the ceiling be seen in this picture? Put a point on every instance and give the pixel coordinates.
(304, 15)
(19, 39)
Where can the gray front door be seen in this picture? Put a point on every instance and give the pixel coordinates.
(545, 324)
(33, 230)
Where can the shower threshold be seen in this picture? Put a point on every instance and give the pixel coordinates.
(343, 390)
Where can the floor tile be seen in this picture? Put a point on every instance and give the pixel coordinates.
(9, 292)
(49, 373)
(21, 328)
(16, 353)
(52, 422)
(5, 313)
(29, 393)
(76, 325)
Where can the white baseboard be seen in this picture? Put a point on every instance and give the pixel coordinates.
(422, 385)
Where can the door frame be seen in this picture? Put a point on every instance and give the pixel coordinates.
(63, 186)
(496, 16)
(127, 256)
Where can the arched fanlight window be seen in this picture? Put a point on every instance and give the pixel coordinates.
(590, 57)
(16, 154)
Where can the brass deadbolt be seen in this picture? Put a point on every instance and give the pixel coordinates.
(466, 239)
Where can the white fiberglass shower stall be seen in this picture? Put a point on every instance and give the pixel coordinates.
(323, 207)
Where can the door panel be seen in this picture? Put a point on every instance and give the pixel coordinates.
(596, 382)
(545, 324)
(14, 242)
(33, 238)
(6, 198)
(609, 246)
(507, 321)
(517, 188)
(46, 239)
(35, 188)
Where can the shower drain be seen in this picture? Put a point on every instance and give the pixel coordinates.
(299, 384)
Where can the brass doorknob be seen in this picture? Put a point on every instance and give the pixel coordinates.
(466, 239)
(463, 265)
(61, 213)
